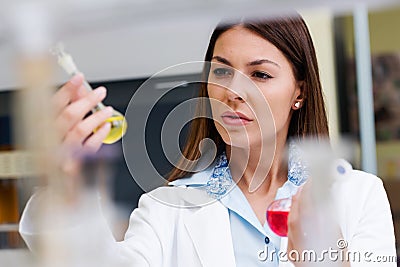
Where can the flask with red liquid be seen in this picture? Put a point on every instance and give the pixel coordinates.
(277, 216)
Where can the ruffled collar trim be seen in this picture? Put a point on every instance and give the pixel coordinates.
(217, 180)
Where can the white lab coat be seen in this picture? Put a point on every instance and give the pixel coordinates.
(166, 235)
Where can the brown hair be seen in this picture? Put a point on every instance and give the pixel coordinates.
(291, 36)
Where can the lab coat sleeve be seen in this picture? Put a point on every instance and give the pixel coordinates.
(374, 232)
(142, 242)
(82, 237)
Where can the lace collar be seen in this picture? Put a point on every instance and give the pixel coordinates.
(220, 179)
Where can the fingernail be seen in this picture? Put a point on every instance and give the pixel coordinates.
(101, 91)
(109, 110)
(106, 126)
(77, 79)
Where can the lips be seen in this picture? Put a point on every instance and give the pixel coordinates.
(235, 118)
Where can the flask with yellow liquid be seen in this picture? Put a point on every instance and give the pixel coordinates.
(117, 120)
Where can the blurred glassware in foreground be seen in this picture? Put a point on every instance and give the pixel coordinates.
(277, 216)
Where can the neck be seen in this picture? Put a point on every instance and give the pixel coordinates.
(260, 169)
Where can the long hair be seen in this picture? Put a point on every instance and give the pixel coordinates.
(292, 37)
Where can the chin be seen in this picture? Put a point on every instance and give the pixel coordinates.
(246, 138)
(244, 141)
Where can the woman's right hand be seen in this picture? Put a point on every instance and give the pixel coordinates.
(71, 103)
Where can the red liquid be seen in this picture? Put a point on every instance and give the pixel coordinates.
(278, 221)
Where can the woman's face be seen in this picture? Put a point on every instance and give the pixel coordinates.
(252, 89)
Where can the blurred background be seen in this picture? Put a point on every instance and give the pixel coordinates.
(119, 44)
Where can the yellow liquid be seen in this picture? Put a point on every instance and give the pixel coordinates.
(118, 129)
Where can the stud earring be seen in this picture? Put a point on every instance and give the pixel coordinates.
(297, 104)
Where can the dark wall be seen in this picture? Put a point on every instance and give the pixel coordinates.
(125, 190)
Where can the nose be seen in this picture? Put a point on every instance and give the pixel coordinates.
(233, 96)
(235, 90)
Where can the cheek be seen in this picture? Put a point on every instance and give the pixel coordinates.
(280, 106)
(216, 97)
(215, 92)
(280, 111)
(279, 96)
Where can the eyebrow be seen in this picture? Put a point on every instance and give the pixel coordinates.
(252, 63)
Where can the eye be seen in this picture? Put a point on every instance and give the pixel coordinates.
(222, 72)
(261, 75)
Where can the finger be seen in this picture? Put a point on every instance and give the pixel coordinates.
(67, 93)
(75, 112)
(82, 92)
(294, 214)
(290, 244)
(296, 202)
(85, 128)
(297, 196)
(305, 197)
(93, 143)
(293, 217)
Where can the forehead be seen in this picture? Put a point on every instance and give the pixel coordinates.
(239, 42)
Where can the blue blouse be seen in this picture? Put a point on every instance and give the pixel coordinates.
(254, 244)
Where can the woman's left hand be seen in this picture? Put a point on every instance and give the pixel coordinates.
(312, 227)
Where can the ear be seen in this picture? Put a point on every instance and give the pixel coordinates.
(299, 94)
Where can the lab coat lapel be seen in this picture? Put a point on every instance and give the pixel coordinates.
(209, 229)
(284, 244)
(285, 262)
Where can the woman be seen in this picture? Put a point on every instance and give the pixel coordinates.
(252, 63)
